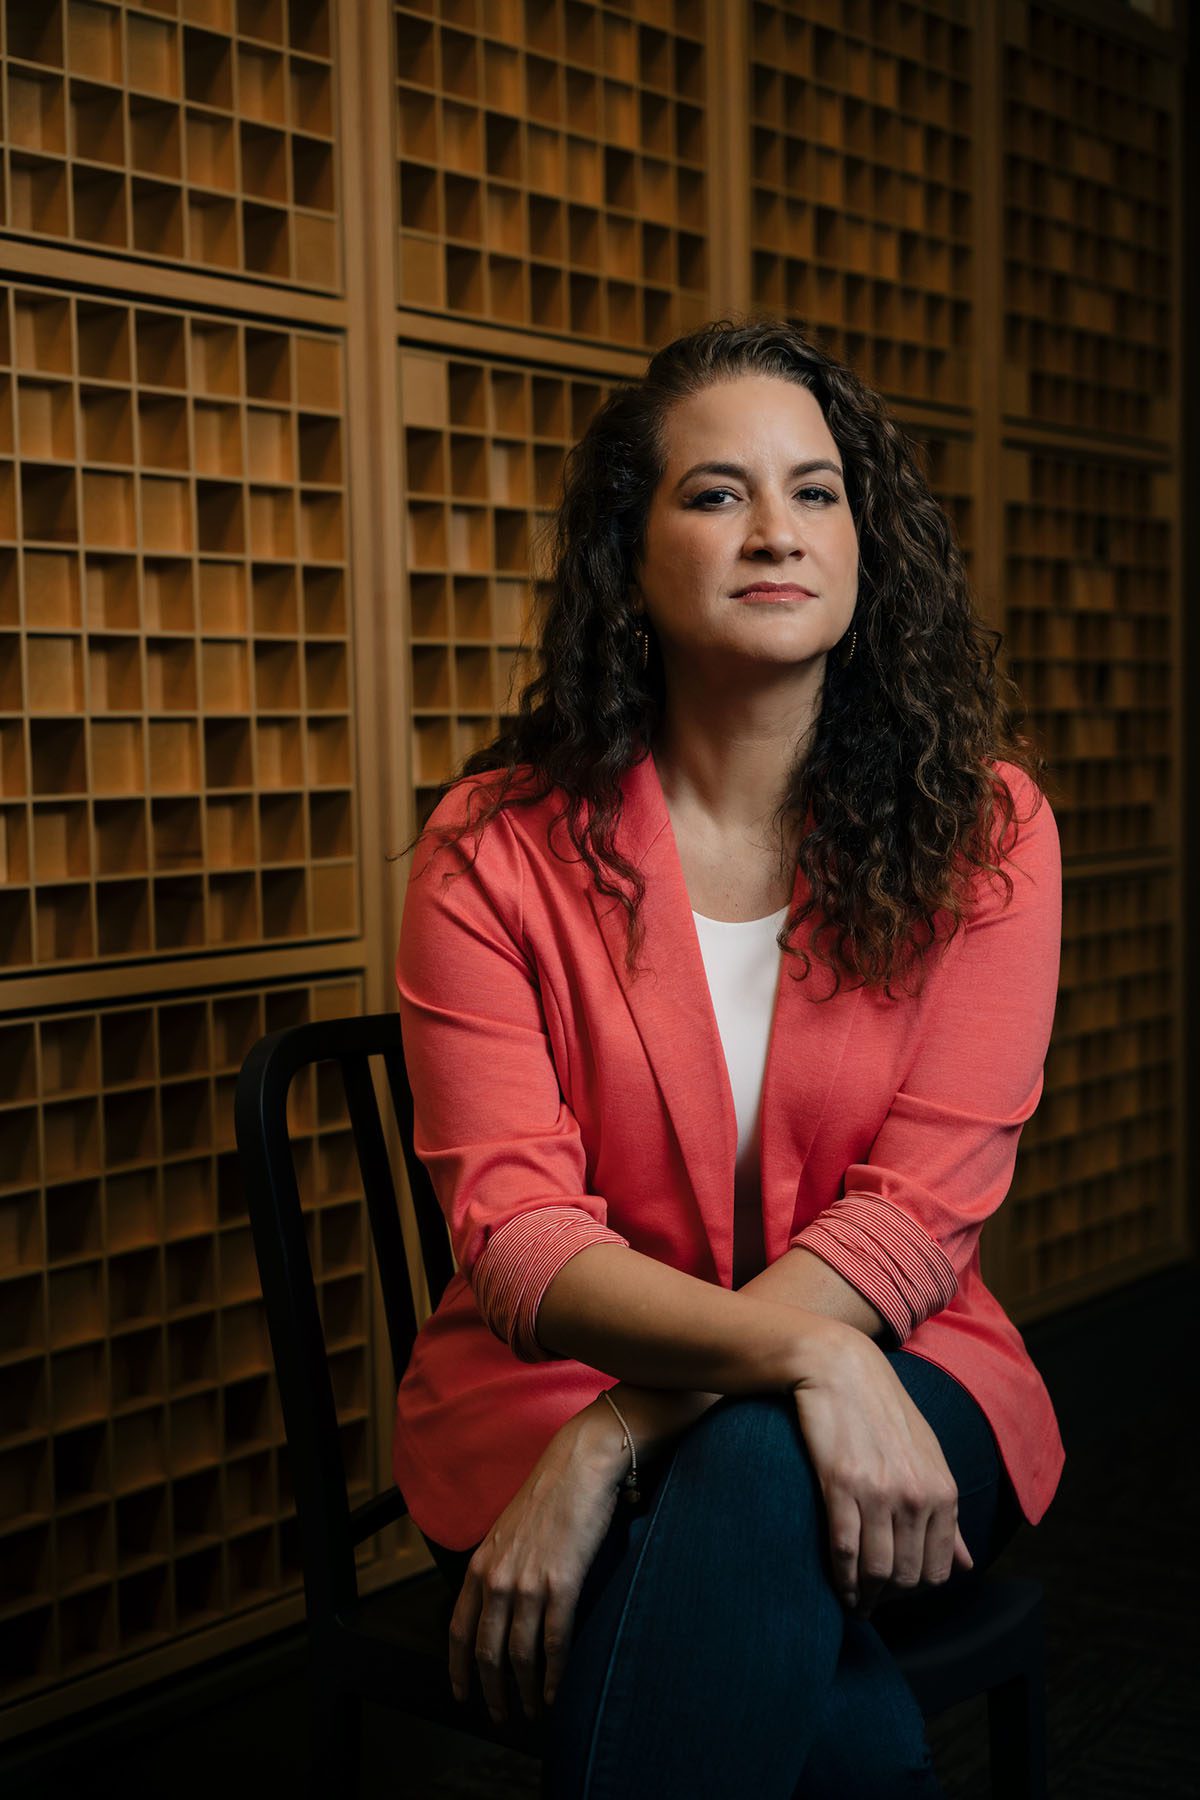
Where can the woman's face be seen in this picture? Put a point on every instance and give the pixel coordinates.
(760, 517)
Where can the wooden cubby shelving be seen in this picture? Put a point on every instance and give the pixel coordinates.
(302, 304)
(1090, 326)
(142, 1461)
(203, 133)
(175, 638)
(483, 447)
(862, 209)
(552, 165)
(1098, 1166)
(1091, 226)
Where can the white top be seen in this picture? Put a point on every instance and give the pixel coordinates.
(742, 960)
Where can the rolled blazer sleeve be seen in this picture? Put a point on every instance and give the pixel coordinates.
(909, 1217)
(501, 1145)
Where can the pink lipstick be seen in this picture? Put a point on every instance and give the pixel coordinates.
(775, 591)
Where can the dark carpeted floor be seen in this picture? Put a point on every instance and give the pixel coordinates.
(1116, 1553)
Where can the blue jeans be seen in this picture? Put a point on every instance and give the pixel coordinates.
(711, 1657)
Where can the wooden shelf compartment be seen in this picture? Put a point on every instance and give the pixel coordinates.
(110, 586)
(277, 667)
(284, 902)
(137, 1359)
(189, 1203)
(334, 899)
(37, 113)
(40, 196)
(63, 924)
(274, 602)
(123, 918)
(229, 829)
(279, 753)
(14, 845)
(178, 912)
(221, 590)
(233, 908)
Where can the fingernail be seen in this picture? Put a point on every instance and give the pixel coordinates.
(550, 1693)
(456, 1690)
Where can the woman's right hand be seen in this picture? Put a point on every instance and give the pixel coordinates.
(890, 1499)
(522, 1583)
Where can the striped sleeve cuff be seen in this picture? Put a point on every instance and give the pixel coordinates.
(886, 1256)
(518, 1264)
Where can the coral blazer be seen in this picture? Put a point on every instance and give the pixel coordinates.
(559, 1103)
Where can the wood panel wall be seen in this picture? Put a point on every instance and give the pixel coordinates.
(301, 304)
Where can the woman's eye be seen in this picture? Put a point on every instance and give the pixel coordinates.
(713, 497)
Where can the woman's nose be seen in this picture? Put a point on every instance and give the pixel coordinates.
(773, 523)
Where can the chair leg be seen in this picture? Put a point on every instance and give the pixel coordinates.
(1017, 1734)
(336, 1743)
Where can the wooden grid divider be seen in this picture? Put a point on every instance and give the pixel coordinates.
(183, 132)
(1091, 240)
(175, 681)
(1090, 637)
(552, 165)
(142, 1463)
(862, 210)
(1089, 324)
(483, 450)
(179, 814)
(1098, 1170)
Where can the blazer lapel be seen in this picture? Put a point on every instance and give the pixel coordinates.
(672, 1008)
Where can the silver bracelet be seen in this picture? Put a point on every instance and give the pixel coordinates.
(629, 1482)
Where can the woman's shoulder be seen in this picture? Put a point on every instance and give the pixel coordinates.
(496, 841)
(1025, 845)
(1032, 813)
(468, 798)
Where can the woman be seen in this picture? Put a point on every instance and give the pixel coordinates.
(715, 1153)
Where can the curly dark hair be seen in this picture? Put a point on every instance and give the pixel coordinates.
(893, 783)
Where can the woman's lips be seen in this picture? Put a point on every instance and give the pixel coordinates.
(775, 592)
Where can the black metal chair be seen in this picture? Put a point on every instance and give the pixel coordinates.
(391, 1646)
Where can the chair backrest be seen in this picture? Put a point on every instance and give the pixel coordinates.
(329, 1527)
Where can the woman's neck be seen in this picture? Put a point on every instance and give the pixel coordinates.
(725, 767)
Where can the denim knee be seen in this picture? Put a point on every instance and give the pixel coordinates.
(749, 1447)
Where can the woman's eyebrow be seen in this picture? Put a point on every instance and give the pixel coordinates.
(723, 468)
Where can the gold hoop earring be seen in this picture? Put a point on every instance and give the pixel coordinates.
(853, 643)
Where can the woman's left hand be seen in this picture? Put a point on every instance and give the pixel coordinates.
(890, 1500)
